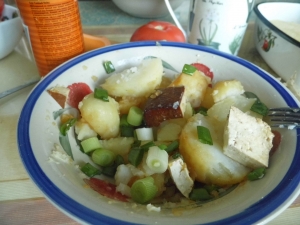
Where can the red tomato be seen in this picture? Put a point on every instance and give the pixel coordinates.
(77, 92)
(106, 189)
(158, 31)
(276, 141)
(204, 69)
(1, 7)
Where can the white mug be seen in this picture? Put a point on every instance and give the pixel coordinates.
(218, 24)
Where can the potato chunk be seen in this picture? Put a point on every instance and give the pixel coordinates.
(208, 162)
(103, 117)
(195, 86)
(224, 89)
(169, 104)
(137, 81)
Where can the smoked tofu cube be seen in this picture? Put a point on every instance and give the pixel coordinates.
(169, 103)
(247, 140)
(180, 176)
(60, 94)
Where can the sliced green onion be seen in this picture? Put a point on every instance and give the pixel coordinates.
(143, 190)
(103, 157)
(173, 146)
(109, 67)
(202, 110)
(135, 116)
(135, 156)
(89, 170)
(90, 144)
(204, 135)
(211, 187)
(157, 159)
(257, 174)
(200, 194)
(111, 170)
(257, 106)
(136, 143)
(126, 130)
(144, 134)
(163, 146)
(176, 155)
(145, 147)
(101, 94)
(66, 126)
(188, 69)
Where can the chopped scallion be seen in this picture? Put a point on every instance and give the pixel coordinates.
(188, 69)
(157, 160)
(90, 144)
(135, 156)
(176, 155)
(171, 147)
(204, 135)
(145, 147)
(66, 126)
(257, 174)
(202, 111)
(111, 170)
(135, 116)
(258, 106)
(101, 94)
(143, 190)
(103, 157)
(144, 134)
(109, 67)
(200, 194)
(126, 130)
(163, 146)
(89, 170)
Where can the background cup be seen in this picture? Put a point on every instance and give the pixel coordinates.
(218, 24)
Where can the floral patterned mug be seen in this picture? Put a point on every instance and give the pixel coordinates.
(218, 24)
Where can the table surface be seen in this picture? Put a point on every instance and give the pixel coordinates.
(21, 202)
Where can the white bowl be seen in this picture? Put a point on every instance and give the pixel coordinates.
(10, 31)
(146, 8)
(283, 56)
(248, 203)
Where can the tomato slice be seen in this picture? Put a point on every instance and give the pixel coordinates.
(77, 92)
(204, 69)
(276, 141)
(106, 189)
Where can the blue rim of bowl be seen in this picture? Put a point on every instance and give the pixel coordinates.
(257, 212)
(269, 24)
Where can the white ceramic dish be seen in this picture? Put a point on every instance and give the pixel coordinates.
(252, 202)
(278, 49)
(10, 31)
(146, 8)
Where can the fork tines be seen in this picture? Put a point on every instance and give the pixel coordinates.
(285, 117)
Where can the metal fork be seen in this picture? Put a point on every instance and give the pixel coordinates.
(285, 117)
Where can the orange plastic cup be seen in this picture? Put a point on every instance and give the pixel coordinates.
(54, 29)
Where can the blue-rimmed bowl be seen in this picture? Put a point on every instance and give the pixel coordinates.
(250, 202)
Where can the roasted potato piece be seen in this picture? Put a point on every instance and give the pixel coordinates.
(207, 162)
(126, 102)
(220, 110)
(169, 132)
(169, 103)
(103, 117)
(195, 86)
(224, 89)
(137, 81)
(208, 100)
